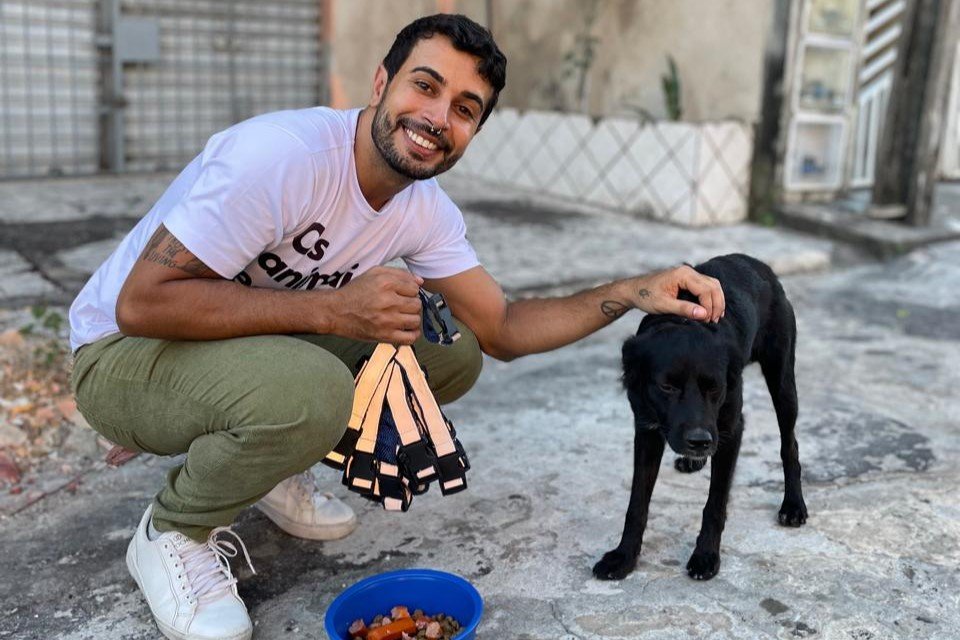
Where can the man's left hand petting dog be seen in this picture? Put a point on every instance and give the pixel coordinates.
(684, 382)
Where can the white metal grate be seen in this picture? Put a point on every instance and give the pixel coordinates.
(872, 108)
(48, 87)
(690, 174)
(219, 62)
(881, 35)
(950, 152)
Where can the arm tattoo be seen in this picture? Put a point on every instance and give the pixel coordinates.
(643, 293)
(613, 309)
(164, 249)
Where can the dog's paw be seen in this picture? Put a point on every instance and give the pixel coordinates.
(614, 565)
(793, 513)
(703, 565)
(689, 465)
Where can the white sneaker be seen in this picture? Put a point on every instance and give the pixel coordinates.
(189, 587)
(297, 506)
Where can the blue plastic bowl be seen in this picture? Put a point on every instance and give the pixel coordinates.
(431, 591)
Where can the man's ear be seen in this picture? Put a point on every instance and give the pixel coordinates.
(380, 81)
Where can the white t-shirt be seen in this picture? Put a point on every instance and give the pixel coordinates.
(274, 202)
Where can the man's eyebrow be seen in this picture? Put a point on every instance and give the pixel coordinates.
(432, 73)
(469, 95)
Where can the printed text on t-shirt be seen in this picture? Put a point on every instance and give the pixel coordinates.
(309, 243)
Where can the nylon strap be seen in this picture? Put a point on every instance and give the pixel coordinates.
(361, 478)
(450, 464)
(370, 424)
(430, 411)
(366, 383)
(428, 449)
(399, 406)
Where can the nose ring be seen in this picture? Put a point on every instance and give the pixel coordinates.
(434, 130)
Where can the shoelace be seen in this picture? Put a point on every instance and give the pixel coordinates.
(306, 487)
(207, 565)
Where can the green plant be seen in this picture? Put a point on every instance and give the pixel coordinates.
(672, 88)
(43, 317)
(49, 350)
(576, 62)
(767, 219)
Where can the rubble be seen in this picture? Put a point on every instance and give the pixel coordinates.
(41, 431)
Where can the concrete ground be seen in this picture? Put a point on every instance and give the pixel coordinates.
(550, 439)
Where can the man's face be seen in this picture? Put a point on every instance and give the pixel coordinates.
(437, 88)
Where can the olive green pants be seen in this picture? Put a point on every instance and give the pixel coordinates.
(248, 412)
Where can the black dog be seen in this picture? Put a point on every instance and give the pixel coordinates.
(684, 382)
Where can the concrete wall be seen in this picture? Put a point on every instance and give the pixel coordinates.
(361, 32)
(718, 46)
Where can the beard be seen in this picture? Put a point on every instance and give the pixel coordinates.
(382, 130)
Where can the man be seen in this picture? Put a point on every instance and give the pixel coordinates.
(229, 323)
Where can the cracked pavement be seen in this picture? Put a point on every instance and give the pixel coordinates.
(550, 442)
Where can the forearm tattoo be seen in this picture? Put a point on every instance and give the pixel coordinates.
(164, 249)
(613, 309)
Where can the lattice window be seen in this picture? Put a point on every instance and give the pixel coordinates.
(691, 174)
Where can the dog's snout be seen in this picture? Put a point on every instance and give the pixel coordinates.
(698, 439)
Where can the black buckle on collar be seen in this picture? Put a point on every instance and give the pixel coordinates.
(452, 473)
(463, 455)
(417, 462)
(394, 494)
(345, 448)
(438, 324)
(418, 489)
(361, 472)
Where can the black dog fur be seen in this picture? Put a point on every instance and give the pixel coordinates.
(684, 382)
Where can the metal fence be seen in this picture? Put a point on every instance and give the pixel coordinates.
(881, 37)
(139, 85)
(48, 87)
(684, 173)
(950, 153)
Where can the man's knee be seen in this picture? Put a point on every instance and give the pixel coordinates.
(327, 414)
(310, 410)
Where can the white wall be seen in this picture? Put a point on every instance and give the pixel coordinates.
(718, 46)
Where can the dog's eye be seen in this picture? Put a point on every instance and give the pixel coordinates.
(667, 388)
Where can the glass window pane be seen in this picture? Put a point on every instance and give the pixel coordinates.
(833, 17)
(825, 77)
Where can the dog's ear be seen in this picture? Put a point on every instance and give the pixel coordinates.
(735, 365)
(632, 358)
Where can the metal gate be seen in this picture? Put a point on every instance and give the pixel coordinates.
(881, 35)
(48, 88)
(950, 150)
(139, 85)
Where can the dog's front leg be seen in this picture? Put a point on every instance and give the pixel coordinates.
(705, 561)
(647, 453)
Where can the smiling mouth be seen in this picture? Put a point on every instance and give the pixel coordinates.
(420, 141)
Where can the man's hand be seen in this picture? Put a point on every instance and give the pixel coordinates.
(379, 306)
(657, 293)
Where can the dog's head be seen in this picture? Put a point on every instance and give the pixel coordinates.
(677, 374)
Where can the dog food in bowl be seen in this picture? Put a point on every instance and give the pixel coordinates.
(401, 625)
(428, 590)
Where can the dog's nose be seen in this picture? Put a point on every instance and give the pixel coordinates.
(699, 439)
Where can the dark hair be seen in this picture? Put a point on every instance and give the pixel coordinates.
(466, 35)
